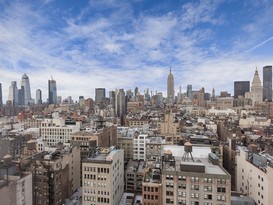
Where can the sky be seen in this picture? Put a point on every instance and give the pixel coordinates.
(127, 43)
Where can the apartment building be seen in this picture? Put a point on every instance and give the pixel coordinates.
(190, 176)
(15, 186)
(152, 186)
(125, 137)
(103, 177)
(56, 174)
(54, 131)
(105, 137)
(134, 175)
(255, 175)
(153, 147)
(168, 126)
(139, 147)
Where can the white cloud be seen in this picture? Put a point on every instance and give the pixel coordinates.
(118, 50)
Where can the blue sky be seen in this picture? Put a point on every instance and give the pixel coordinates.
(123, 44)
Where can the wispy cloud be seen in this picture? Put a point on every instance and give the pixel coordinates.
(112, 44)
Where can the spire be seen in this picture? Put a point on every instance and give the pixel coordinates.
(256, 79)
(170, 70)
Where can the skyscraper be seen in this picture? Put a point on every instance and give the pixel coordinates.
(52, 91)
(21, 96)
(99, 94)
(256, 89)
(1, 98)
(120, 105)
(136, 91)
(170, 88)
(189, 91)
(38, 97)
(267, 83)
(240, 88)
(26, 89)
(13, 93)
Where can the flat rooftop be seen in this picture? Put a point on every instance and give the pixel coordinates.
(200, 156)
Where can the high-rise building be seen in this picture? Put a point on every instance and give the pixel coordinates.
(99, 94)
(38, 97)
(256, 89)
(189, 91)
(1, 98)
(170, 88)
(136, 91)
(103, 177)
(213, 97)
(240, 88)
(52, 91)
(112, 98)
(27, 93)
(120, 105)
(267, 83)
(21, 96)
(13, 93)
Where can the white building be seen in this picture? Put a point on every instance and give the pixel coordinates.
(256, 181)
(254, 121)
(54, 131)
(139, 147)
(103, 177)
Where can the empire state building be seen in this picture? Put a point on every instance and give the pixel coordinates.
(170, 88)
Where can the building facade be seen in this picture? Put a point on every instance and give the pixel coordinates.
(103, 177)
(240, 88)
(267, 83)
(39, 97)
(99, 94)
(13, 93)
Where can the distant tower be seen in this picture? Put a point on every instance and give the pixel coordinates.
(240, 88)
(21, 96)
(13, 93)
(136, 91)
(38, 97)
(256, 89)
(170, 88)
(120, 103)
(26, 85)
(1, 98)
(52, 91)
(189, 91)
(267, 83)
(99, 94)
(213, 95)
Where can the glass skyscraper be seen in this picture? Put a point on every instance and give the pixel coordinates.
(52, 92)
(240, 88)
(25, 89)
(267, 83)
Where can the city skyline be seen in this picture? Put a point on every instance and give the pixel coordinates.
(116, 44)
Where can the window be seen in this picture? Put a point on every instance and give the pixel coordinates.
(221, 189)
(207, 188)
(207, 180)
(194, 179)
(194, 187)
(195, 195)
(208, 196)
(182, 186)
